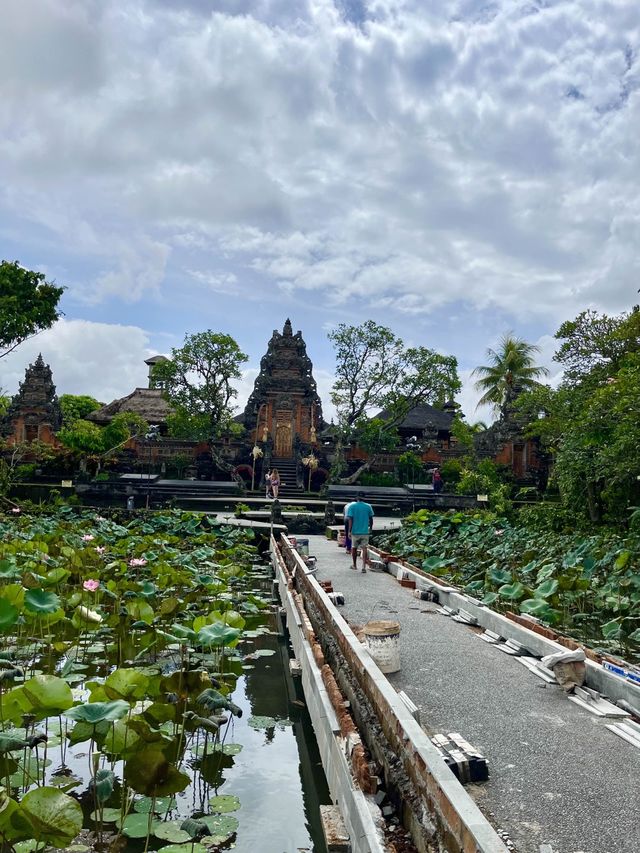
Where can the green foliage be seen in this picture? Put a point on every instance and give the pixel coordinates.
(484, 479)
(374, 370)
(197, 381)
(77, 407)
(511, 369)
(373, 479)
(82, 436)
(586, 585)
(589, 425)
(28, 304)
(463, 433)
(451, 471)
(190, 427)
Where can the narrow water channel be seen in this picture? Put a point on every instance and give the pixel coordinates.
(278, 775)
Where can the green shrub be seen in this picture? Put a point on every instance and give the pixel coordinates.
(370, 479)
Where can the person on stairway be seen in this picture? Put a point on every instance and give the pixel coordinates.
(275, 483)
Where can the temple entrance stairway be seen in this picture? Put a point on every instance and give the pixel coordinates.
(287, 469)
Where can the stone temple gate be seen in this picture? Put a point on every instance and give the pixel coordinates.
(284, 408)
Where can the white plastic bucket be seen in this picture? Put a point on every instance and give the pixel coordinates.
(382, 639)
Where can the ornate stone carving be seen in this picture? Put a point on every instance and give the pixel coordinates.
(284, 392)
(34, 412)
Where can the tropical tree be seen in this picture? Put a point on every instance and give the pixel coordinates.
(376, 371)
(28, 305)
(197, 379)
(590, 424)
(511, 370)
(77, 406)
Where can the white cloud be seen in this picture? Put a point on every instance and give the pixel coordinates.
(105, 361)
(394, 159)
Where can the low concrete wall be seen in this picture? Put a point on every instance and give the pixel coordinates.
(598, 678)
(461, 826)
(361, 816)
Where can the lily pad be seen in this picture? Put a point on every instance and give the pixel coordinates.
(225, 803)
(41, 602)
(48, 693)
(96, 712)
(259, 722)
(126, 684)
(108, 815)
(8, 615)
(185, 848)
(135, 825)
(160, 805)
(169, 830)
(228, 748)
(56, 817)
(150, 772)
(221, 826)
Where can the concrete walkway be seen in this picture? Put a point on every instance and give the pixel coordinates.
(558, 777)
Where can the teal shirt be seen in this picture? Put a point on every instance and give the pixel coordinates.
(360, 513)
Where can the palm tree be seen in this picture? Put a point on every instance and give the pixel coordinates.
(511, 369)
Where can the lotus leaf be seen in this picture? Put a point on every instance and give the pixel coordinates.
(14, 593)
(48, 693)
(103, 784)
(107, 815)
(186, 683)
(140, 610)
(10, 743)
(225, 803)
(537, 607)
(221, 826)
(500, 576)
(120, 739)
(611, 630)
(546, 589)
(169, 830)
(135, 825)
(218, 634)
(8, 615)
(55, 816)
(97, 712)
(512, 591)
(128, 684)
(149, 772)
(228, 748)
(14, 823)
(160, 805)
(39, 601)
(185, 848)
(213, 700)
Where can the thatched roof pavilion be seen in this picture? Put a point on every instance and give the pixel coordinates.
(146, 402)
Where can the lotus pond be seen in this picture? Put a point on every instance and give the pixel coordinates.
(585, 585)
(145, 701)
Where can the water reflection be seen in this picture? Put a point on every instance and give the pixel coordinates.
(277, 776)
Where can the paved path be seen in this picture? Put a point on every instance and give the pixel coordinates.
(557, 775)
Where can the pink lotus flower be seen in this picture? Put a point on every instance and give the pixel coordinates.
(100, 518)
(100, 549)
(16, 509)
(87, 537)
(134, 562)
(91, 585)
(499, 532)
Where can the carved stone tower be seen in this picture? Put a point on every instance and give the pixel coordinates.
(284, 406)
(34, 412)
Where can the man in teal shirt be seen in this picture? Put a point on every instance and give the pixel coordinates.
(360, 520)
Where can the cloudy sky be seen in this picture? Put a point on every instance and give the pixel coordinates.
(453, 170)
